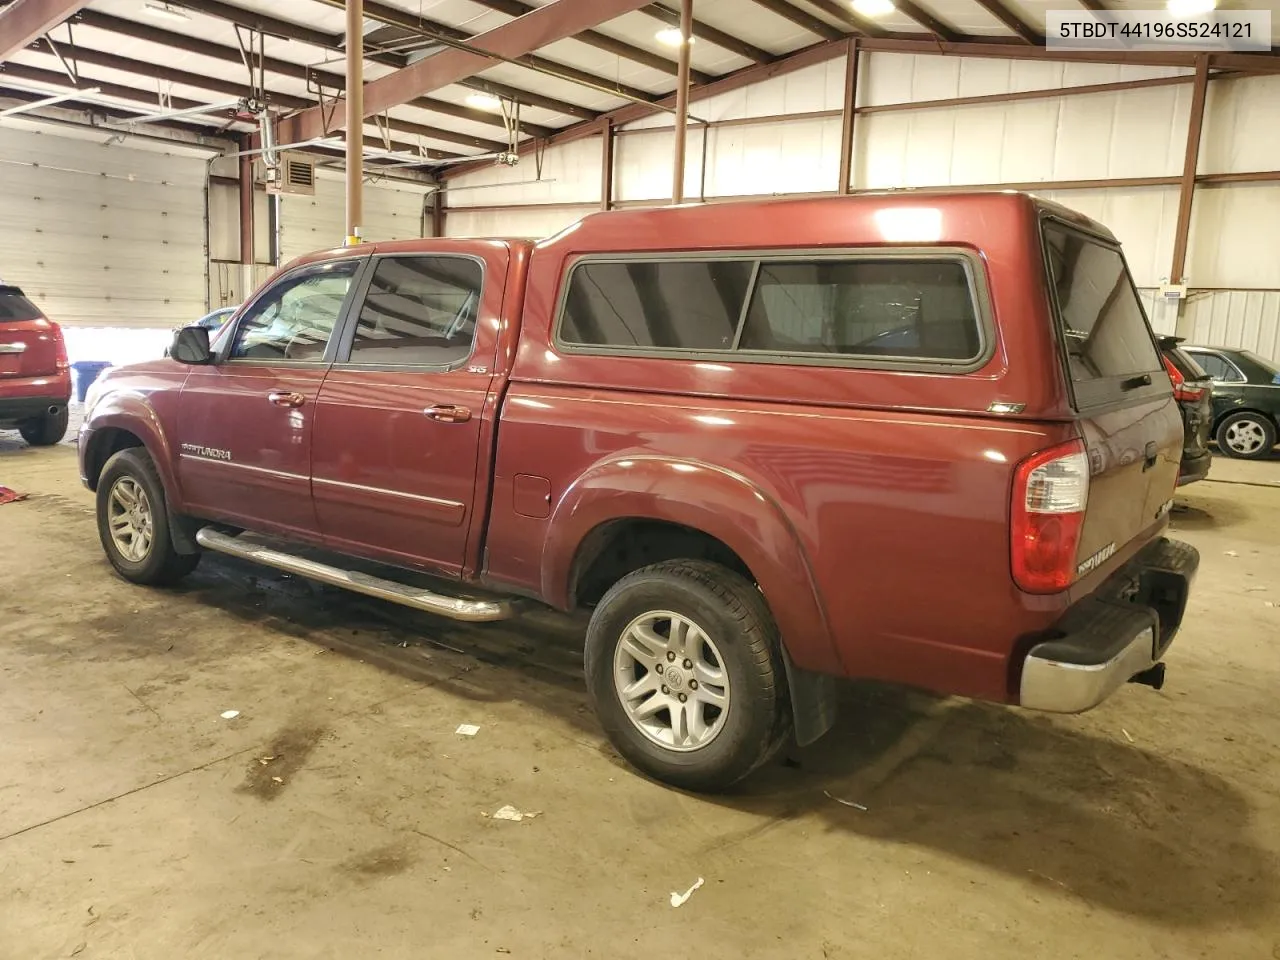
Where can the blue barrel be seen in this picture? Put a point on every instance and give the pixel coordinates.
(84, 372)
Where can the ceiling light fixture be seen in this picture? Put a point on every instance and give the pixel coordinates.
(874, 8)
(163, 11)
(483, 101)
(672, 37)
(1191, 8)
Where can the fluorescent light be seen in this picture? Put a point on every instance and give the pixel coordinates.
(874, 8)
(483, 101)
(1190, 8)
(164, 11)
(672, 37)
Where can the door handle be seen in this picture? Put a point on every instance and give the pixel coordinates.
(281, 399)
(448, 413)
(1152, 451)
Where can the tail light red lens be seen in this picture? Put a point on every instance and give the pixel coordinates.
(60, 342)
(1181, 391)
(1050, 493)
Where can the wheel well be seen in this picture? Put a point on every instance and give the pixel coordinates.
(614, 549)
(106, 443)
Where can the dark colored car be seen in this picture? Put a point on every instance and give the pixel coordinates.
(35, 377)
(1191, 386)
(684, 421)
(1246, 400)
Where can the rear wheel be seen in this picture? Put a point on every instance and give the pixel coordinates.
(46, 429)
(1247, 435)
(682, 664)
(133, 521)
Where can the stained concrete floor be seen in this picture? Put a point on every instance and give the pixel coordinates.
(340, 815)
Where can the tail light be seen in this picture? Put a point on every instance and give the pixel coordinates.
(1181, 391)
(60, 347)
(1050, 492)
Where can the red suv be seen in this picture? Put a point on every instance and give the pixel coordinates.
(35, 378)
(919, 438)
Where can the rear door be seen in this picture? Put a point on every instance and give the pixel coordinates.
(1128, 418)
(28, 342)
(401, 415)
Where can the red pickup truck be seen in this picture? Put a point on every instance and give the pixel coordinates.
(921, 438)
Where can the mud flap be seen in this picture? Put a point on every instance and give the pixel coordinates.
(813, 702)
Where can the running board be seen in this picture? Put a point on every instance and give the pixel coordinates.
(456, 608)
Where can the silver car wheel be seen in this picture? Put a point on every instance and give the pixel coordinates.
(671, 680)
(130, 520)
(1246, 436)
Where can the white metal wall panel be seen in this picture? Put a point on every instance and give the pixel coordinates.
(570, 174)
(1249, 319)
(1241, 126)
(315, 223)
(533, 222)
(909, 78)
(1138, 133)
(102, 233)
(1235, 236)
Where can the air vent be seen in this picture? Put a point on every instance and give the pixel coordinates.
(297, 176)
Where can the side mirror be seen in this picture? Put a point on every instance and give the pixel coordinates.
(191, 345)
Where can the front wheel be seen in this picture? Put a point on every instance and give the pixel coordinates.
(682, 663)
(1247, 436)
(46, 429)
(133, 521)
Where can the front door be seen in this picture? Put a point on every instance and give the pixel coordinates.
(245, 422)
(400, 417)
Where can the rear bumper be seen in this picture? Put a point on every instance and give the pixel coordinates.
(17, 409)
(1116, 633)
(1194, 468)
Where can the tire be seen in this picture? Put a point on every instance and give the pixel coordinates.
(714, 747)
(141, 549)
(46, 429)
(1247, 435)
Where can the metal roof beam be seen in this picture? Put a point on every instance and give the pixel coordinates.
(842, 11)
(1011, 20)
(25, 21)
(802, 19)
(594, 38)
(273, 26)
(286, 68)
(943, 31)
(556, 21)
(704, 31)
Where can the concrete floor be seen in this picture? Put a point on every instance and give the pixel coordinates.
(135, 822)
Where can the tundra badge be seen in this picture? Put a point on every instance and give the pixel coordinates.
(1097, 560)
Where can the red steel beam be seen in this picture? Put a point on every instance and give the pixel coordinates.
(556, 21)
(1187, 186)
(1011, 20)
(606, 165)
(28, 20)
(846, 118)
(682, 101)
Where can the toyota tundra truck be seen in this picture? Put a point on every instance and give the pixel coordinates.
(922, 438)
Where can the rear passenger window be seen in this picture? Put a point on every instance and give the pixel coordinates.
(1103, 324)
(678, 304)
(419, 311)
(921, 309)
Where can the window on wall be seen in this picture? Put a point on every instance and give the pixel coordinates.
(680, 304)
(854, 307)
(419, 311)
(870, 308)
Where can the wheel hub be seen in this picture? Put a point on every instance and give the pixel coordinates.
(671, 681)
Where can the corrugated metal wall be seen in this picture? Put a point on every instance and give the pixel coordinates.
(307, 224)
(1128, 134)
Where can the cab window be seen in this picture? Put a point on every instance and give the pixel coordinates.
(294, 319)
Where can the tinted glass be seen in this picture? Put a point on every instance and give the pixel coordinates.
(1266, 365)
(419, 310)
(14, 306)
(680, 304)
(295, 318)
(1218, 368)
(1103, 324)
(873, 308)
(1185, 364)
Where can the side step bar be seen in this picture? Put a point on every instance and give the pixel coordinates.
(456, 608)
